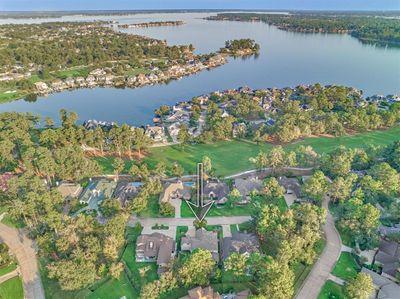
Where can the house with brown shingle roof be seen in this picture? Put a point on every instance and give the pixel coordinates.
(69, 190)
(175, 190)
(202, 239)
(202, 293)
(157, 248)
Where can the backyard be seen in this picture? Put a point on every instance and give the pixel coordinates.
(346, 267)
(332, 290)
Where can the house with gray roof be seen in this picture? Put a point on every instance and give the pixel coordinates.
(241, 243)
(291, 185)
(216, 190)
(385, 288)
(126, 191)
(246, 186)
(202, 239)
(388, 256)
(157, 248)
(389, 230)
(97, 191)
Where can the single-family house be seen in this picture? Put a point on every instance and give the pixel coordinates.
(246, 186)
(69, 190)
(202, 239)
(291, 185)
(241, 243)
(126, 191)
(41, 87)
(388, 256)
(97, 191)
(155, 247)
(202, 293)
(217, 191)
(384, 287)
(156, 133)
(389, 230)
(175, 190)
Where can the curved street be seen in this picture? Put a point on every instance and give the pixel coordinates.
(24, 251)
(324, 265)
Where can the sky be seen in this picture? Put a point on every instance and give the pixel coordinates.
(41, 5)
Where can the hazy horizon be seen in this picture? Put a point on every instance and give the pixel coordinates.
(96, 5)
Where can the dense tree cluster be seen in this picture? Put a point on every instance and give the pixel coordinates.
(60, 45)
(368, 28)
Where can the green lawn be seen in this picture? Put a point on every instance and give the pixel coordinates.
(72, 72)
(346, 267)
(7, 269)
(230, 157)
(332, 290)
(12, 289)
(115, 289)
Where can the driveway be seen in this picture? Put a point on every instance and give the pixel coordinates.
(24, 251)
(324, 265)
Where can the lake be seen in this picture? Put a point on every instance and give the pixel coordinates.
(286, 59)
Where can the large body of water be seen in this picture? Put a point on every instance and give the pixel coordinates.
(286, 59)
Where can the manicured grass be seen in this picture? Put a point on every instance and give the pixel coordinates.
(115, 289)
(130, 261)
(7, 269)
(332, 290)
(12, 289)
(230, 157)
(137, 71)
(346, 267)
(72, 72)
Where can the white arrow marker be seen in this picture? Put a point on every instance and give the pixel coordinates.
(200, 214)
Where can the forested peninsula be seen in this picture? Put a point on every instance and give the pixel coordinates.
(367, 28)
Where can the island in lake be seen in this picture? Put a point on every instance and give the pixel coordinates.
(152, 24)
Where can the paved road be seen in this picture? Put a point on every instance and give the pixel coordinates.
(221, 220)
(324, 265)
(24, 250)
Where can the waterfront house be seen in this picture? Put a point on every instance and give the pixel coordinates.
(41, 87)
(202, 239)
(241, 243)
(80, 81)
(70, 82)
(58, 85)
(90, 81)
(155, 247)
